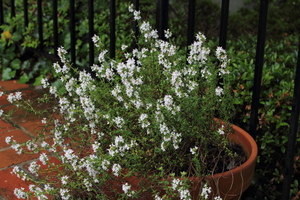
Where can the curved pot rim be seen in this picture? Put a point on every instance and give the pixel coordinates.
(249, 145)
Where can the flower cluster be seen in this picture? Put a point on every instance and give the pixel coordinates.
(150, 114)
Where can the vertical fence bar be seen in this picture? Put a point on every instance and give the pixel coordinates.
(291, 145)
(259, 61)
(112, 23)
(55, 26)
(136, 4)
(224, 23)
(162, 11)
(91, 31)
(40, 24)
(72, 32)
(191, 22)
(1, 13)
(13, 8)
(25, 6)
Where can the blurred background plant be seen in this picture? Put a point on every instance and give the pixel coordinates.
(19, 62)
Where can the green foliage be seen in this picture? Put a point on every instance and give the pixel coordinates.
(283, 18)
(278, 73)
(275, 105)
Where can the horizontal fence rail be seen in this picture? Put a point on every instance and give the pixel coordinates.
(162, 25)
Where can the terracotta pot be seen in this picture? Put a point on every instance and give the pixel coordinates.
(228, 185)
(231, 184)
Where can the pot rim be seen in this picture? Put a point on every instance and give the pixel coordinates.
(249, 145)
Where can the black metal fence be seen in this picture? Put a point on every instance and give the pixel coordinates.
(161, 25)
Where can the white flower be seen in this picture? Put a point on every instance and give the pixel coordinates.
(198, 53)
(33, 188)
(143, 120)
(168, 102)
(96, 40)
(57, 68)
(44, 144)
(200, 37)
(44, 158)
(64, 193)
(221, 131)
(119, 121)
(20, 193)
(69, 154)
(1, 112)
(17, 148)
(168, 33)
(44, 83)
(101, 56)
(116, 169)
(18, 95)
(205, 73)
(53, 90)
(31, 146)
(14, 97)
(145, 26)
(65, 69)
(123, 47)
(44, 120)
(1, 93)
(206, 190)
(221, 53)
(177, 185)
(64, 180)
(131, 8)
(137, 103)
(126, 187)
(34, 167)
(176, 81)
(119, 139)
(105, 164)
(16, 170)
(38, 192)
(48, 188)
(219, 91)
(137, 15)
(87, 184)
(62, 54)
(95, 146)
(157, 197)
(8, 139)
(194, 150)
(217, 198)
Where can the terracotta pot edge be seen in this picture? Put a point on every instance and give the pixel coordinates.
(251, 159)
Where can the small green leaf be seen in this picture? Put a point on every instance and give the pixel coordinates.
(16, 36)
(282, 148)
(16, 64)
(24, 78)
(38, 80)
(8, 74)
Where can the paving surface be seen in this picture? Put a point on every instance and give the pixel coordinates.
(22, 126)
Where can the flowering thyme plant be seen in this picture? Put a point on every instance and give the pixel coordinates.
(141, 125)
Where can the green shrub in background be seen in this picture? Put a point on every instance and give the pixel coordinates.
(275, 108)
(278, 73)
(22, 63)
